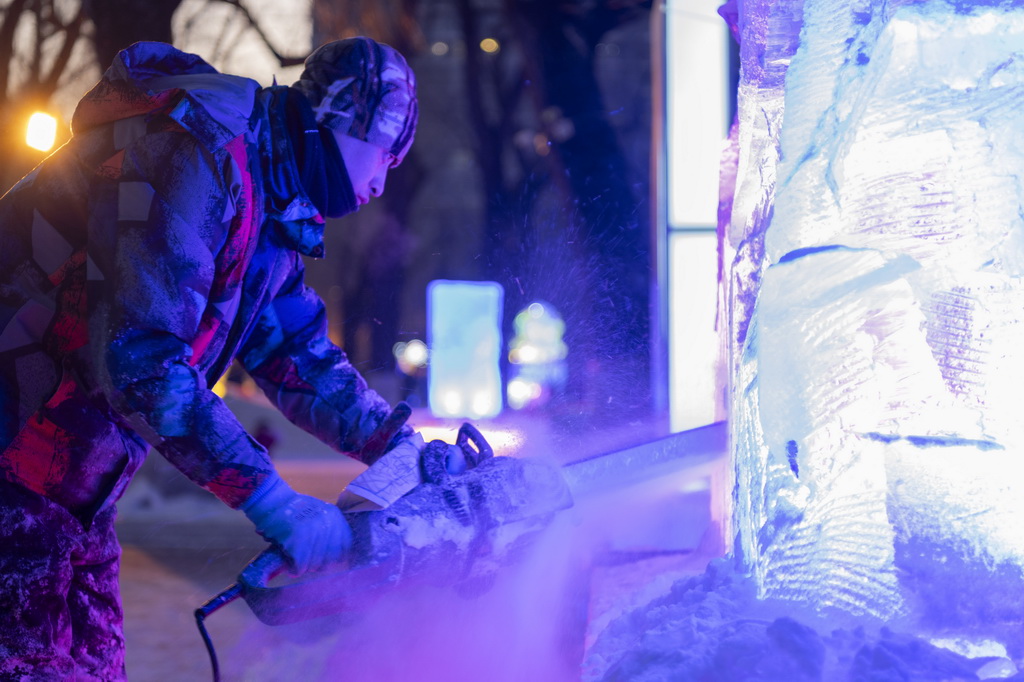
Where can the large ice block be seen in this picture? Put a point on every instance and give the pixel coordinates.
(877, 304)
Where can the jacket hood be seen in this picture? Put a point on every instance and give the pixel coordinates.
(214, 107)
(149, 76)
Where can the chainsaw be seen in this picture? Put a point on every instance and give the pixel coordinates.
(449, 530)
(452, 530)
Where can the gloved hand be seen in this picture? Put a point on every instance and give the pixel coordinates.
(394, 474)
(391, 476)
(310, 532)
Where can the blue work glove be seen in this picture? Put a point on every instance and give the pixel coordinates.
(311, 533)
(394, 474)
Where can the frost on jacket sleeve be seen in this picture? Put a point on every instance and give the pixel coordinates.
(158, 269)
(309, 378)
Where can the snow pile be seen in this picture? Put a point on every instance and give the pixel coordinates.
(713, 628)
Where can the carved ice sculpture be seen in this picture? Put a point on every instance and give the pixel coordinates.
(877, 252)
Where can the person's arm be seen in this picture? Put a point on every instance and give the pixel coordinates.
(306, 376)
(154, 239)
(154, 273)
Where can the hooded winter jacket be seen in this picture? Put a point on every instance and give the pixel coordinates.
(136, 263)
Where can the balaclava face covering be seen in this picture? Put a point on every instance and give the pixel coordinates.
(321, 168)
(305, 154)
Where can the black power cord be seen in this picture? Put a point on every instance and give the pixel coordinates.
(225, 597)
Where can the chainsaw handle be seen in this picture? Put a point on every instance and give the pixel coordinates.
(258, 573)
(470, 434)
(434, 457)
(262, 569)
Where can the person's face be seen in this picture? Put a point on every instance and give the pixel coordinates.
(367, 166)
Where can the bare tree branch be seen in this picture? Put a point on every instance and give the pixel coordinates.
(387, 21)
(37, 49)
(12, 15)
(72, 31)
(283, 60)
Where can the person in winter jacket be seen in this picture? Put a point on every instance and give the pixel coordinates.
(159, 245)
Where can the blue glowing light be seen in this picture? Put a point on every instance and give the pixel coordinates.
(464, 336)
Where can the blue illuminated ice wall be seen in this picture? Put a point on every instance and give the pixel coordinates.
(876, 293)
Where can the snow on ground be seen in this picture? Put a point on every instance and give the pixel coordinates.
(712, 628)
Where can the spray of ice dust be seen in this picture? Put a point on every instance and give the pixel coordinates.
(528, 625)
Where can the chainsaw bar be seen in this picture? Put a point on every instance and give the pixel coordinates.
(641, 462)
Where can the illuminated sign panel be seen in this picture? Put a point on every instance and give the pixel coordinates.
(464, 336)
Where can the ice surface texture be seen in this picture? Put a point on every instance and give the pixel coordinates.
(875, 254)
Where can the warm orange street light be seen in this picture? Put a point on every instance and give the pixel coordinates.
(41, 131)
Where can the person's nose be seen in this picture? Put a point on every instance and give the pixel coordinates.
(377, 183)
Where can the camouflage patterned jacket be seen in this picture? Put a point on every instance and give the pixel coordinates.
(136, 263)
